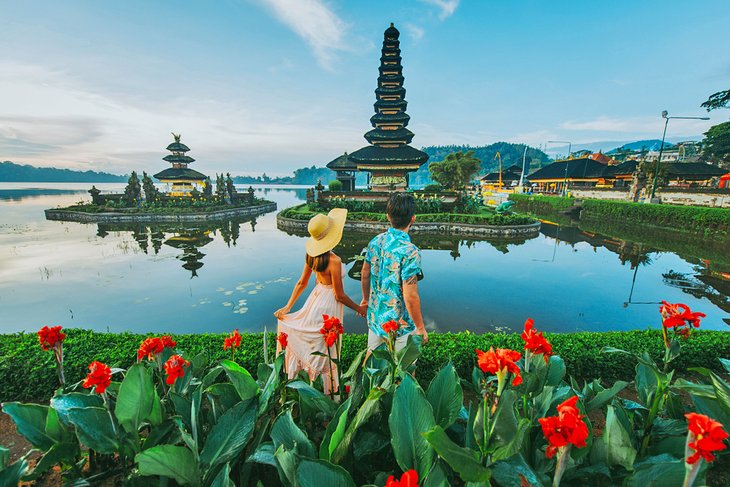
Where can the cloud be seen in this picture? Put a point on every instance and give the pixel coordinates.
(315, 22)
(448, 7)
(415, 32)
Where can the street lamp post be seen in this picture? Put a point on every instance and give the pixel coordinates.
(565, 179)
(666, 117)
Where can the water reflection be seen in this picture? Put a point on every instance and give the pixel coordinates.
(30, 193)
(187, 237)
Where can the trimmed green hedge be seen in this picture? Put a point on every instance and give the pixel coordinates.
(303, 213)
(163, 210)
(28, 373)
(694, 219)
(535, 203)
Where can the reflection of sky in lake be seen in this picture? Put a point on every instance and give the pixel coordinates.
(66, 273)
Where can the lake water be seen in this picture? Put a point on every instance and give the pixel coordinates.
(213, 278)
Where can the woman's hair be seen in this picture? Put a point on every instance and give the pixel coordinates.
(318, 263)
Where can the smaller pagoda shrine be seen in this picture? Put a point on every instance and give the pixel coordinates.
(345, 169)
(389, 158)
(180, 179)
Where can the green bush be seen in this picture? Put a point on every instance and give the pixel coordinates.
(27, 372)
(335, 185)
(541, 204)
(432, 188)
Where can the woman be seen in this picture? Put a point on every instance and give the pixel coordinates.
(327, 298)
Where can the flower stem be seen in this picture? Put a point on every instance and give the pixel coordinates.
(691, 474)
(560, 466)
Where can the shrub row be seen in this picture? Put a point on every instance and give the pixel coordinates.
(541, 204)
(302, 213)
(693, 219)
(193, 207)
(28, 373)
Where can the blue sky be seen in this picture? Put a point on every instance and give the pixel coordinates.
(273, 85)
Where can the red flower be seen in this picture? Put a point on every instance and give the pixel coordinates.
(347, 390)
(174, 368)
(100, 376)
(679, 317)
(50, 337)
(151, 347)
(500, 362)
(233, 340)
(567, 428)
(283, 339)
(390, 326)
(408, 479)
(705, 436)
(331, 329)
(535, 342)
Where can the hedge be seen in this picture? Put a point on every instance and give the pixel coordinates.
(28, 373)
(302, 213)
(692, 219)
(541, 204)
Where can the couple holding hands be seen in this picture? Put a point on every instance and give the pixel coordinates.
(390, 276)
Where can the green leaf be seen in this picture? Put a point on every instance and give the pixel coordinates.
(408, 355)
(11, 475)
(505, 427)
(95, 428)
(245, 385)
(659, 471)
(58, 453)
(722, 391)
(230, 434)
(30, 421)
(410, 416)
(556, 371)
(619, 445)
(726, 364)
(311, 400)
(62, 403)
(437, 477)
(223, 479)
(157, 415)
(445, 395)
(272, 384)
(510, 473)
(370, 407)
(135, 399)
(319, 473)
(462, 460)
(176, 462)
(335, 431)
(264, 455)
(285, 432)
(605, 396)
(4, 457)
(514, 445)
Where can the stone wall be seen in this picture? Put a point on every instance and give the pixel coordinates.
(672, 196)
(460, 229)
(82, 217)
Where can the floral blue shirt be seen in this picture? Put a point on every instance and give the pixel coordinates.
(393, 260)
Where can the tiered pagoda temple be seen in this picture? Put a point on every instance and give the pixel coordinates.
(180, 179)
(345, 169)
(389, 158)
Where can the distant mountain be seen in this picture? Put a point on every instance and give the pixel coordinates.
(17, 173)
(510, 153)
(306, 175)
(649, 145)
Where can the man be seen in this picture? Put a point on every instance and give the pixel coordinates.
(390, 276)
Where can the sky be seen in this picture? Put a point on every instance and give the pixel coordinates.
(273, 85)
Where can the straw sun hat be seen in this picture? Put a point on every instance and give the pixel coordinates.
(326, 231)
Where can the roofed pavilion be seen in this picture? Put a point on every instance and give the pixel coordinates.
(389, 158)
(180, 179)
(345, 169)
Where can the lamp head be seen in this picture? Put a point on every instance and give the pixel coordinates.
(665, 113)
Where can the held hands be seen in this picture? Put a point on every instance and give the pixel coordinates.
(423, 333)
(362, 309)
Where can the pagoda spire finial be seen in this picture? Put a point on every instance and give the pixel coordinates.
(176, 136)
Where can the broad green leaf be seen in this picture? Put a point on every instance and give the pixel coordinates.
(229, 436)
(272, 383)
(354, 365)
(556, 371)
(722, 391)
(285, 432)
(287, 463)
(320, 473)
(135, 399)
(647, 381)
(410, 353)
(605, 396)
(619, 445)
(56, 430)
(241, 380)
(659, 471)
(95, 428)
(11, 475)
(370, 407)
(514, 445)
(311, 400)
(410, 416)
(511, 472)
(183, 407)
(157, 414)
(223, 479)
(58, 453)
(62, 403)
(712, 408)
(446, 397)
(437, 477)
(726, 364)
(463, 461)
(505, 426)
(30, 421)
(176, 462)
(264, 455)
(4, 457)
(335, 431)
